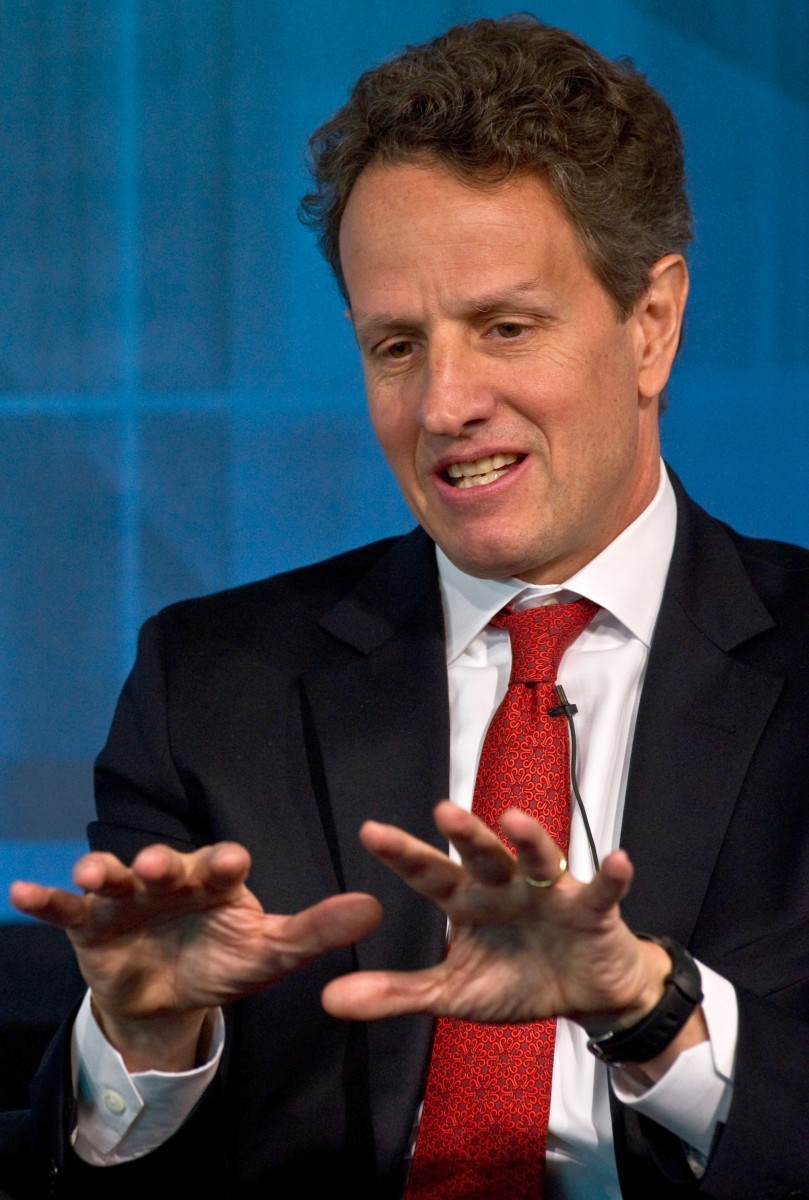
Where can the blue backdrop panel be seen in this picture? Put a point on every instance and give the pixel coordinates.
(180, 401)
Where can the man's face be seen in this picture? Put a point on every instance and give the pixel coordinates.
(512, 404)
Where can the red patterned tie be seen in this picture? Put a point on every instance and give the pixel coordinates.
(485, 1122)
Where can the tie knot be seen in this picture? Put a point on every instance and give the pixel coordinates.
(540, 636)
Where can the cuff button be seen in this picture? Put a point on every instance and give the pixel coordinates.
(113, 1101)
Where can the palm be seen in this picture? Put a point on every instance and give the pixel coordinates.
(177, 933)
(154, 956)
(535, 956)
(516, 952)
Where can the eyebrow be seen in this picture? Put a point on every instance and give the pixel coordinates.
(506, 297)
(487, 302)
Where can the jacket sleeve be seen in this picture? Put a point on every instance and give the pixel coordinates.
(144, 801)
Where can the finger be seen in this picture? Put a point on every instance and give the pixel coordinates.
(373, 995)
(610, 886)
(224, 866)
(52, 905)
(292, 941)
(334, 922)
(104, 875)
(219, 868)
(481, 850)
(538, 854)
(425, 869)
(162, 869)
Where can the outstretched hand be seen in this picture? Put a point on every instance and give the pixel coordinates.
(162, 941)
(517, 952)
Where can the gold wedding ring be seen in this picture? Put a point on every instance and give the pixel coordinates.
(546, 883)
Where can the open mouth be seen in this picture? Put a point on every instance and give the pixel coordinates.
(481, 471)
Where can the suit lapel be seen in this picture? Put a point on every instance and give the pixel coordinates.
(381, 716)
(701, 715)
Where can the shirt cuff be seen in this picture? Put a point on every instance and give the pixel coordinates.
(694, 1095)
(123, 1116)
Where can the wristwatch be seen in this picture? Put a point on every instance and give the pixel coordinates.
(650, 1036)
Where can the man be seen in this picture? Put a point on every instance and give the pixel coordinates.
(505, 212)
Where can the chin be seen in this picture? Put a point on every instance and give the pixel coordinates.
(487, 553)
(488, 566)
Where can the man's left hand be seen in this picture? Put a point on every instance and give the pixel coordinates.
(518, 952)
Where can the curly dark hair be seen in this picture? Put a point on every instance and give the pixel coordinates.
(494, 99)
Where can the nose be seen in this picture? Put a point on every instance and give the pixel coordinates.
(456, 393)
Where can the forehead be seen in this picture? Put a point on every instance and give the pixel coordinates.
(418, 221)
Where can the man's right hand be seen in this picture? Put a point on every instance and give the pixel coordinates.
(163, 941)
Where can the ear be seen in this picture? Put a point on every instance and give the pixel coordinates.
(660, 318)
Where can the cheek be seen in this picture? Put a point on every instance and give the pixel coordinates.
(396, 433)
(609, 401)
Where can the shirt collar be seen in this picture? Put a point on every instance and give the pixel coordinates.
(626, 579)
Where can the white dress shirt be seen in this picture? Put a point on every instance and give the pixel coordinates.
(123, 1116)
(602, 674)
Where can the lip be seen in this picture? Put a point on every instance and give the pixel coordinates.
(471, 495)
(447, 460)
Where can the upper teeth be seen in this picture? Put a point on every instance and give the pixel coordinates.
(482, 470)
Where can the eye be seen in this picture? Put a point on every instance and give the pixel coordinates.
(508, 329)
(399, 350)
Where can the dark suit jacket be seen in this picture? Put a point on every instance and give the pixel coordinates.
(283, 713)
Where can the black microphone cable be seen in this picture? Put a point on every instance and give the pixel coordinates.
(568, 710)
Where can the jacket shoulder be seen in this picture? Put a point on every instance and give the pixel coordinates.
(296, 617)
(307, 592)
(779, 570)
(710, 556)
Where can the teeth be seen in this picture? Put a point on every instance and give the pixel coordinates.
(469, 481)
(481, 471)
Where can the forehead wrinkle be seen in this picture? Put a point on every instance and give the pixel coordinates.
(506, 297)
(502, 299)
(379, 322)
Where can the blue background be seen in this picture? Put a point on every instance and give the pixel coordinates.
(180, 402)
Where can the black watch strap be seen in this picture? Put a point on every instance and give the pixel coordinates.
(650, 1036)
